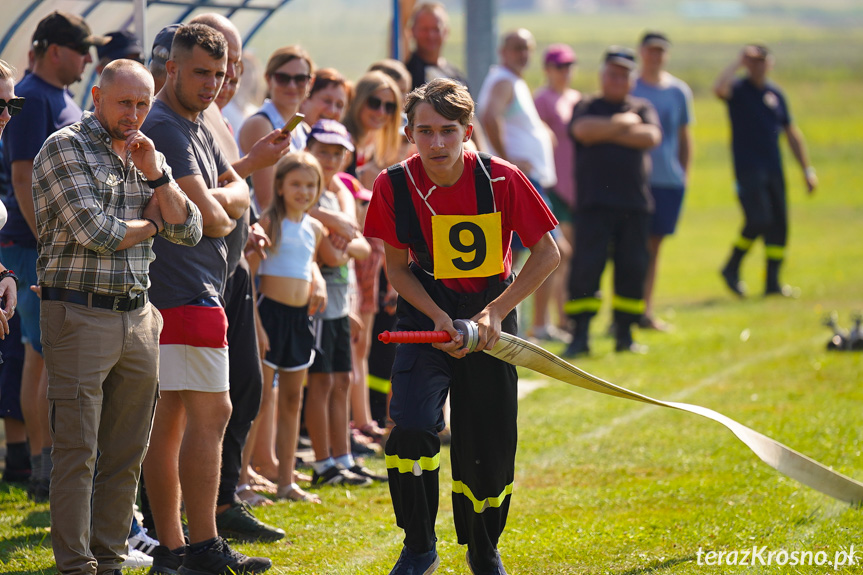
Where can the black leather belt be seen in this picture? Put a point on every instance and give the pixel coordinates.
(114, 303)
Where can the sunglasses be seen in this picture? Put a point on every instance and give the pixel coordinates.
(82, 49)
(283, 79)
(14, 105)
(563, 65)
(375, 104)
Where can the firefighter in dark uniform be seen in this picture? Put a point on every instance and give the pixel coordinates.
(613, 133)
(447, 217)
(759, 114)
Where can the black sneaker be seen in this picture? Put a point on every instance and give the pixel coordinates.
(410, 563)
(366, 472)
(732, 280)
(335, 475)
(165, 561)
(782, 291)
(38, 490)
(237, 522)
(219, 559)
(496, 569)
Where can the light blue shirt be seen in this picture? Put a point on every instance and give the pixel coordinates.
(673, 102)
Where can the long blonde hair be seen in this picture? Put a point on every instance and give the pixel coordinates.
(275, 212)
(387, 140)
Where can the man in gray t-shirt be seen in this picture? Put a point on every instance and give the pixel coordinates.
(193, 366)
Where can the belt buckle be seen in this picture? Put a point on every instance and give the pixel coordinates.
(114, 306)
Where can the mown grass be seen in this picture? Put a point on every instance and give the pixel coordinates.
(608, 486)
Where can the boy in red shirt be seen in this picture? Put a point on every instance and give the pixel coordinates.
(447, 217)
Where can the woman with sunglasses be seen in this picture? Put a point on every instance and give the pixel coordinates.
(374, 121)
(289, 73)
(9, 106)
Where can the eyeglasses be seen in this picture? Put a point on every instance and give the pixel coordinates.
(283, 79)
(14, 105)
(375, 104)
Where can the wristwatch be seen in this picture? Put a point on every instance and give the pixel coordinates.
(160, 181)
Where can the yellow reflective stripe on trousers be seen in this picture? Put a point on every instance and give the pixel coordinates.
(628, 305)
(587, 304)
(378, 384)
(743, 243)
(774, 252)
(413, 465)
(480, 505)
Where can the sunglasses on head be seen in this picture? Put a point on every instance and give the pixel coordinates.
(14, 105)
(375, 104)
(283, 79)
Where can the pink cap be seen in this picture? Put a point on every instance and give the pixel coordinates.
(356, 188)
(559, 54)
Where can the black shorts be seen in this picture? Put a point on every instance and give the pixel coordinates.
(292, 342)
(333, 344)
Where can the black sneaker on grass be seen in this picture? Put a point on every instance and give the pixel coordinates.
(335, 475)
(495, 569)
(237, 522)
(219, 559)
(366, 472)
(411, 563)
(165, 561)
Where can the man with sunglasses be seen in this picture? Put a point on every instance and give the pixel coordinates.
(61, 50)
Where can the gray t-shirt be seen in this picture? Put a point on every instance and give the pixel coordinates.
(338, 305)
(182, 275)
(673, 102)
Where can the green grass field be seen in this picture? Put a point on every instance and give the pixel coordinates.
(609, 486)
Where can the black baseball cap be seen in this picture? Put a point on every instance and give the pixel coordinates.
(620, 56)
(121, 44)
(68, 30)
(162, 43)
(654, 38)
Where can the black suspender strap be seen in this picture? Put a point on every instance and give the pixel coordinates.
(482, 183)
(408, 230)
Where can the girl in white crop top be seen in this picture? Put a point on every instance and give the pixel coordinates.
(286, 278)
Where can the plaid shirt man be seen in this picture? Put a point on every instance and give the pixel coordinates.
(82, 190)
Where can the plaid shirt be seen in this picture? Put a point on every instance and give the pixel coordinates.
(83, 194)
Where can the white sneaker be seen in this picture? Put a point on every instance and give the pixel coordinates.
(142, 542)
(136, 558)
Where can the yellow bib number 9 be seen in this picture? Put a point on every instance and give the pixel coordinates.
(467, 246)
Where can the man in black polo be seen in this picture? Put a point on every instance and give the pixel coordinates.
(759, 114)
(613, 133)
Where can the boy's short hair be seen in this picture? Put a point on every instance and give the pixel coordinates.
(449, 98)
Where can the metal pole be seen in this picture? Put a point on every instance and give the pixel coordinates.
(481, 23)
(395, 49)
(140, 15)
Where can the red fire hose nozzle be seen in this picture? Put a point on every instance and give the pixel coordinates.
(468, 329)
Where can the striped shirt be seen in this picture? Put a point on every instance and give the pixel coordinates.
(83, 193)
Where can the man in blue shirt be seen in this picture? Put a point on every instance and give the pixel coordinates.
(672, 99)
(759, 114)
